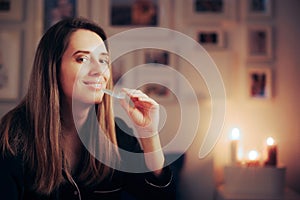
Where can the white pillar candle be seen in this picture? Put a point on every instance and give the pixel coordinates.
(235, 136)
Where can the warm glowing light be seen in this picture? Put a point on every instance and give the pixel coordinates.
(240, 154)
(235, 134)
(271, 152)
(270, 141)
(253, 155)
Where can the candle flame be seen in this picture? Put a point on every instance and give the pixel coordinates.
(235, 134)
(270, 141)
(253, 155)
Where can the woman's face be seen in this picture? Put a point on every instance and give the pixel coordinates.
(84, 68)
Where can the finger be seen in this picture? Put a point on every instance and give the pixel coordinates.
(143, 99)
(146, 104)
(137, 95)
(132, 93)
(126, 106)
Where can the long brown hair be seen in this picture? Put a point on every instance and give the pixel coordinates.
(34, 126)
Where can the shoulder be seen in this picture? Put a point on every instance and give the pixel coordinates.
(12, 175)
(13, 125)
(12, 143)
(12, 132)
(10, 163)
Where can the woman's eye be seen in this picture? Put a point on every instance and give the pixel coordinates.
(103, 61)
(82, 59)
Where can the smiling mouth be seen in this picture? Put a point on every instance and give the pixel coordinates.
(94, 85)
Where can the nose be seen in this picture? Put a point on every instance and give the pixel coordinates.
(97, 68)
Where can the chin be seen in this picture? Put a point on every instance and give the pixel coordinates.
(89, 100)
(98, 98)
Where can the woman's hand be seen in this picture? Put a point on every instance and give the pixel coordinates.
(143, 111)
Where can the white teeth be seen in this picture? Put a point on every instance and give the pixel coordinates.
(94, 84)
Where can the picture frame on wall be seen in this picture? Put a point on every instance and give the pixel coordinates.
(56, 10)
(157, 91)
(155, 56)
(134, 13)
(258, 8)
(11, 10)
(259, 82)
(208, 6)
(203, 11)
(154, 77)
(259, 43)
(10, 41)
(121, 15)
(158, 86)
(210, 37)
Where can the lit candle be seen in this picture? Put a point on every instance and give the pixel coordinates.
(235, 135)
(253, 158)
(272, 152)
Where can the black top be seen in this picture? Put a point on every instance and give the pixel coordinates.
(15, 181)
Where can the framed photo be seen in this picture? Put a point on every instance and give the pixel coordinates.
(259, 43)
(258, 8)
(11, 10)
(56, 10)
(210, 37)
(155, 56)
(208, 10)
(208, 6)
(259, 82)
(134, 13)
(10, 41)
(157, 75)
(119, 15)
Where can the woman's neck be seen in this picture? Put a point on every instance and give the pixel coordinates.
(72, 148)
(73, 119)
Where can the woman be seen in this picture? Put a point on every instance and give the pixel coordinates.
(44, 151)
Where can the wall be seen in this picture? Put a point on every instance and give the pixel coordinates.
(29, 26)
(287, 114)
(278, 116)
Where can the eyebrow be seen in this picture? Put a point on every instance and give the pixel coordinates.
(88, 52)
(81, 51)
